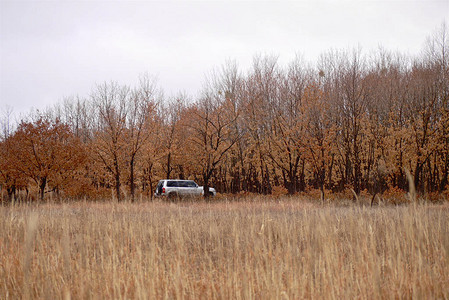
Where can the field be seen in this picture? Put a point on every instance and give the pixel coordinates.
(260, 249)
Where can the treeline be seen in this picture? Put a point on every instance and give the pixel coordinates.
(351, 121)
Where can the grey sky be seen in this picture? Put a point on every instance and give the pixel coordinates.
(53, 49)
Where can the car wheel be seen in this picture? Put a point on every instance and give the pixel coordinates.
(173, 196)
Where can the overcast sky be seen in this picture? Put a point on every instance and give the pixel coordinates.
(55, 49)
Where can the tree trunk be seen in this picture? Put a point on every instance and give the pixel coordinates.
(357, 176)
(292, 183)
(329, 176)
(42, 185)
(357, 168)
(444, 180)
(206, 194)
(11, 191)
(131, 178)
(117, 181)
(168, 166)
(302, 177)
(416, 179)
(150, 179)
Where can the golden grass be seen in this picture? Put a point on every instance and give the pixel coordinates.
(262, 249)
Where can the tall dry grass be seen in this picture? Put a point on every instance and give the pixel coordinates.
(228, 250)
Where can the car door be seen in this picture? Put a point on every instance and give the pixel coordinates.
(189, 187)
(196, 190)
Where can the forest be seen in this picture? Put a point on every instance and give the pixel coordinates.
(370, 122)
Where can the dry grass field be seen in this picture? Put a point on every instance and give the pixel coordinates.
(264, 249)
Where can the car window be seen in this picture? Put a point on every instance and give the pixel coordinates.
(172, 183)
(181, 183)
(190, 184)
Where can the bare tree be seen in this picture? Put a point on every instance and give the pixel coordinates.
(436, 52)
(348, 93)
(261, 96)
(171, 137)
(6, 123)
(139, 123)
(109, 142)
(210, 122)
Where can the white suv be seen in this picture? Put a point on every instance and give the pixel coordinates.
(173, 188)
